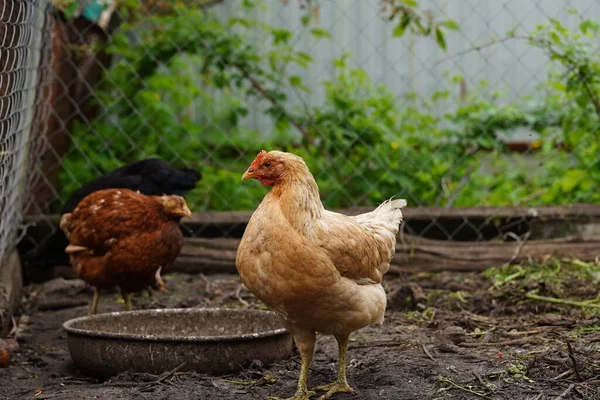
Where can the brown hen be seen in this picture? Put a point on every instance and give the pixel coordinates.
(123, 238)
(320, 270)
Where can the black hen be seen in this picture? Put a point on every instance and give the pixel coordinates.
(151, 177)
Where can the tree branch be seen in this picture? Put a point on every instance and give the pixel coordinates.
(259, 88)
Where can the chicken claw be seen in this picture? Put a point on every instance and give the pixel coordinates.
(333, 388)
(305, 395)
(340, 385)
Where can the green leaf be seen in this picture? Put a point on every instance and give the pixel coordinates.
(320, 32)
(440, 39)
(401, 27)
(71, 10)
(450, 24)
(555, 38)
(281, 36)
(589, 26)
(303, 59)
(296, 81)
(411, 3)
(571, 179)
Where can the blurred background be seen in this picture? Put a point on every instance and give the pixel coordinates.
(453, 103)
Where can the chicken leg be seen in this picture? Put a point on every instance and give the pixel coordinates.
(340, 385)
(94, 307)
(159, 281)
(305, 342)
(127, 300)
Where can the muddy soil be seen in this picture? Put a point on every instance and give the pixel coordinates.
(446, 336)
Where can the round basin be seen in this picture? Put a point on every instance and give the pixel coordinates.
(207, 340)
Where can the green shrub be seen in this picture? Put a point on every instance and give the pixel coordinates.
(183, 83)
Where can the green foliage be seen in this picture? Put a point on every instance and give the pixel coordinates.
(183, 82)
(407, 16)
(566, 170)
(68, 7)
(553, 275)
(566, 282)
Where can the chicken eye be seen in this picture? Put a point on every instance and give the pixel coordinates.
(267, 164)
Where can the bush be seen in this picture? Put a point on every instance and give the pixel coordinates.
(183, 82)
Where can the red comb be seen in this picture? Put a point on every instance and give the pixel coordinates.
(259, 156)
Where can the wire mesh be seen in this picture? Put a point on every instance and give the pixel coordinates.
(484, 115)
(24, 74)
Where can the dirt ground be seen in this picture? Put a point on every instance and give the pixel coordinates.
(446, 336)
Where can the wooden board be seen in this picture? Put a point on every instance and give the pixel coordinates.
(560, 231)
(575, 211)
(413, 254)
(418, 254)
(457, 224)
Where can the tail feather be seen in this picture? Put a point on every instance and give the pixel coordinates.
(398, 203)
(384, 224)
(388, 212)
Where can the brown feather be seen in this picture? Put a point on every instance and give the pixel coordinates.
(121, 237)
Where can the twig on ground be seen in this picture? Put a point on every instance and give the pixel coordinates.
(574, 361)
(486, 385)
(563, 375)
(581, 304)
(162, 378)
(464, 389)
(513, 342)
(169, 374)
(382, 343)
(141, 395)
(427, 352)
(207, 283)
(566, 392)
(264, 379)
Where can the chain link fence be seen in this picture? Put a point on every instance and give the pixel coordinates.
(458, 103)
(24, 84)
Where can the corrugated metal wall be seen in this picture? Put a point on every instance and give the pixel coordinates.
(416, 63)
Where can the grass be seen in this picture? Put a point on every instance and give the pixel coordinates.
(567, 282)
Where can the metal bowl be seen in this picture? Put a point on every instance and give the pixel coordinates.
(207, 340)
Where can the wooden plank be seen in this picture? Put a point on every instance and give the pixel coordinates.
(418, 254)
(561, 231)
(413, 254)
(575, 211)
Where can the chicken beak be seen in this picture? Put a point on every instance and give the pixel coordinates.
(186, 212)
(249, 174)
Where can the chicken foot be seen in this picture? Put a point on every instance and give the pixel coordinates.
(94, 307)
(305, 342)
(340, 385)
